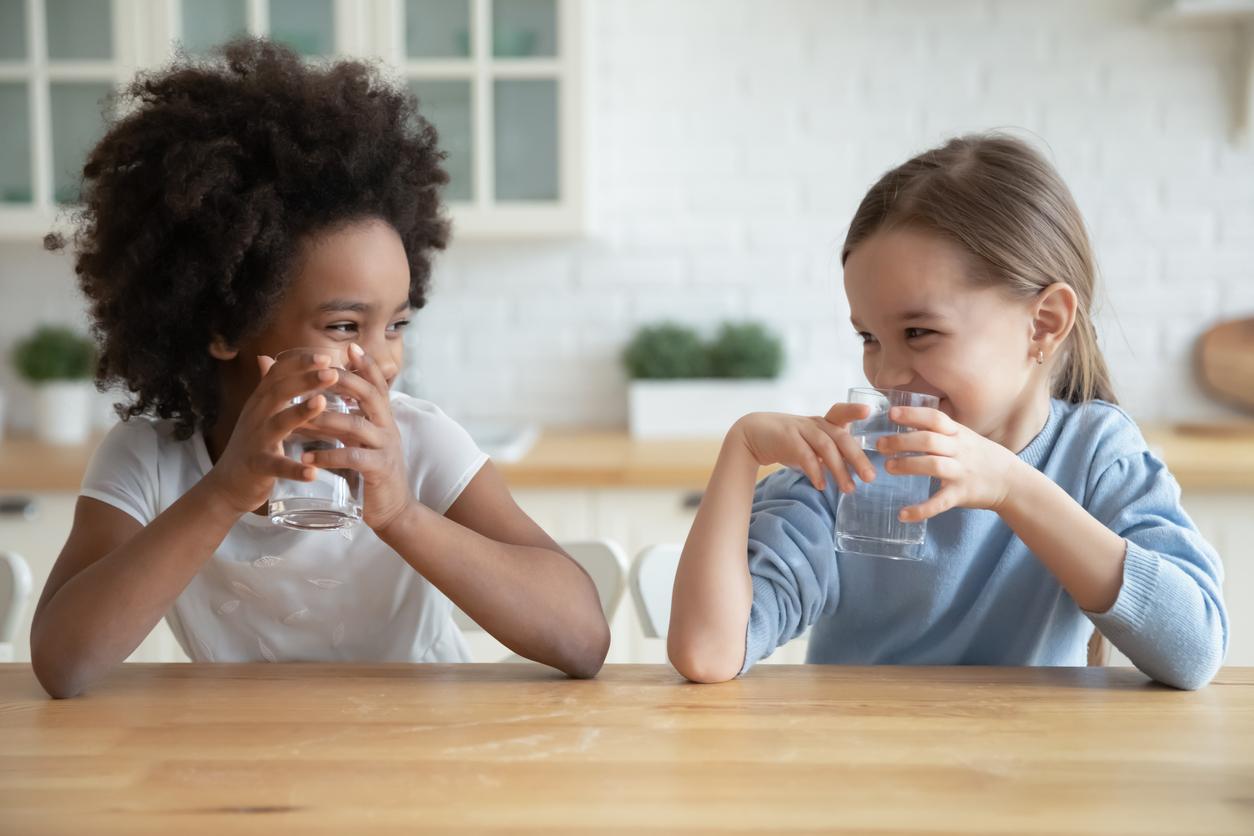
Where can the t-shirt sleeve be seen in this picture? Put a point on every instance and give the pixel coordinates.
(443, 458)
(122, 470)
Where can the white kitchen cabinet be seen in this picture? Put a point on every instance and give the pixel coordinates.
(500, 79)
(59, 62)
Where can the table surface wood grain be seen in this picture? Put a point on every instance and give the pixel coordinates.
(192, 748)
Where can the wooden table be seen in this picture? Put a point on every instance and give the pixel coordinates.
(188, 749)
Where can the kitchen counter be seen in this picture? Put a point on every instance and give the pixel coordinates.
(1202, 457)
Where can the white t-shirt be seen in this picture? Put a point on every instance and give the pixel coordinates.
(275, 594)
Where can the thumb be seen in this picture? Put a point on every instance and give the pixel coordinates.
(844, 413)
(264, 362)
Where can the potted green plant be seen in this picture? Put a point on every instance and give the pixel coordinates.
(58, 362)
(683, 386)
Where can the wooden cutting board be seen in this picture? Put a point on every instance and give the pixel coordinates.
(1225, 361)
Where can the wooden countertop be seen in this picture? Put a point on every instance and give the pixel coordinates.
(1201, 458)
(191, 748)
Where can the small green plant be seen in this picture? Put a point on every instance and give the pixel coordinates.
(746, 350)
(669, 352)
(54, 353)
(666, 352)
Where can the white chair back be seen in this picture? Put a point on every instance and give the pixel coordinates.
(14, 588)
(652, 581)
(603, 560)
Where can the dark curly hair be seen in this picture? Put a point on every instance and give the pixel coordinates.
(197, 199)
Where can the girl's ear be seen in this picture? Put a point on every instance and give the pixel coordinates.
(221, 350)
(1053, 316)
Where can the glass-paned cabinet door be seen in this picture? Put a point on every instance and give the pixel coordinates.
(308, 26)
(500, 81)
(60, 63)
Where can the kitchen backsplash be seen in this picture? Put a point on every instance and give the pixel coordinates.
(729, 143)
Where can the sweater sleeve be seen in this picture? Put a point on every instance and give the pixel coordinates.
(1169, 617)
(792, 561)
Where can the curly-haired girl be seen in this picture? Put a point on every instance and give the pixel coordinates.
(245, 205)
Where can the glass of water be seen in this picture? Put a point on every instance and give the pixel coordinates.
(332, 501)
(867, 520)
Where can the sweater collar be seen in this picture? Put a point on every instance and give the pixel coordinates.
(1040, 446)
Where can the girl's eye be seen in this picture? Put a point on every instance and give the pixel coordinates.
(912, 333)
(400, 325)
(342, 327)
(866, 338)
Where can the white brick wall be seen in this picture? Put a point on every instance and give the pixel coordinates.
(730, 142)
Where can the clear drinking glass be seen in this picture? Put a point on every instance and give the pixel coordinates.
(866, 520)
(332, 501)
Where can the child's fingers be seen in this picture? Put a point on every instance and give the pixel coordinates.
(282, 389)
(825, 448)
(278, 426)
(343, 458)
(842, 414)
(372, 403)
(352, 429)
(938, 503)
(939, 467)
(851, 451)
(921, 441)
(366, 366)
(808, 461)
(923, 418)
(284, 468)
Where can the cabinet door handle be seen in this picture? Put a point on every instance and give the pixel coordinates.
(19, 506)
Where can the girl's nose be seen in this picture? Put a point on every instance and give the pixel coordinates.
(892, 375)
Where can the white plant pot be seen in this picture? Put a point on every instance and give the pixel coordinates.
(700, 408)
(63, 411)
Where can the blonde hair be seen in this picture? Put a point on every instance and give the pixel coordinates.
(1004, 205)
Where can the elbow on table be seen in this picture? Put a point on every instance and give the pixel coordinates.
(1188, 679)
(59, 678)
(701, 664)
(587, 657)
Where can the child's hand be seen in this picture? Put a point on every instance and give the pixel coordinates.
(809, 443)
(373, 442)
(245, 473)
(974, 472)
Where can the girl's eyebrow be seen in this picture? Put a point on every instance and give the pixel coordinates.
(908, 316)
(338, 305)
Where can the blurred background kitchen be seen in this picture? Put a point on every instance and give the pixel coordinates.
(621, 164)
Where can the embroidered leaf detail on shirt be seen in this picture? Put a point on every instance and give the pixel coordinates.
(337, 635)
(228, 607)
(347, 533)
(267, 560)
(241, 587)
(296, 617)
(325, 583)
(266, 652)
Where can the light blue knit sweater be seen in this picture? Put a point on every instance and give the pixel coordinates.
(980, 597)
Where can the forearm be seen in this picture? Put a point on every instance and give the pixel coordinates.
(99, 616)
(713, 592)
(537, 602)
(1082, 553)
